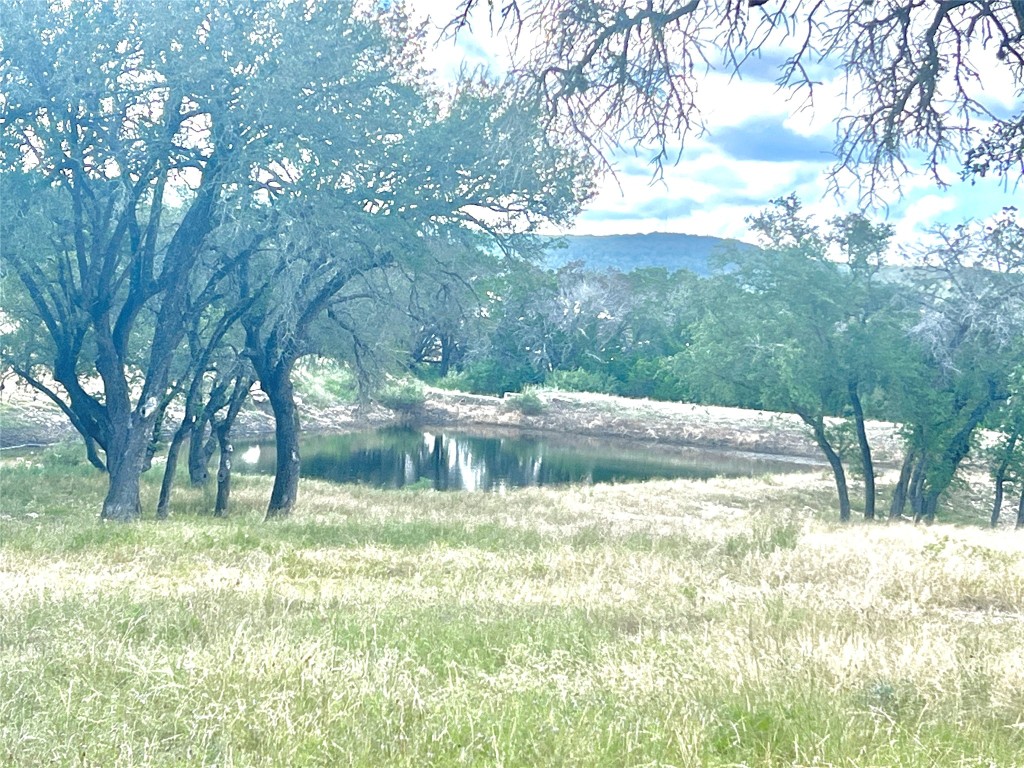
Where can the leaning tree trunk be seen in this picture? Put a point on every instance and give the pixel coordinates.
(948, 461)
(157, 435)
(278, 388)
(1000, 476)
(200, 450)
(222, 429)
(865, 453)
(899, 495)
(931, 505)
(170, 468)
(817, 425)
(997, 502)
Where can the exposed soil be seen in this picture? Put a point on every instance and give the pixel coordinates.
(678, 424)
(31, 420)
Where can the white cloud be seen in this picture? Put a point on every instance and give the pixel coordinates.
(709, 192)
(920, 215)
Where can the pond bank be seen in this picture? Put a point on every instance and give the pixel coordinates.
(33, 421)
(678, 424)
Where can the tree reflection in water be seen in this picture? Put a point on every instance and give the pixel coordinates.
(395, 458)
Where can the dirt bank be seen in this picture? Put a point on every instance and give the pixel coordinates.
(27, 420)
(679, 424)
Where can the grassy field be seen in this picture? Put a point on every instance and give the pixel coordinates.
(717, 623)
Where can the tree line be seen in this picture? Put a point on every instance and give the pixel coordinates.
(822, 320)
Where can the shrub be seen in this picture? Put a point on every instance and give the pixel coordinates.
(580, 380)
(405, 396)
(66, 455)
(455, 381)
(489, 377)
(323, 383)
(528, 403)
(659, 378)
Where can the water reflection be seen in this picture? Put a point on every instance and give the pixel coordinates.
(395, 458)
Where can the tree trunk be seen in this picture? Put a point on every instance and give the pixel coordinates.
(278, 387)
(92, 455)
(865, 453)
(170, 468)
(222, 429)
(899, 496)
(945, 464)
(200, 450)
(931, 504)
(997, 502)
(1020, 511)
(157, 435)
(817, 425)
(1000, 476)
(126, 462)
(223, 471)
(841, 486)
(917, 488)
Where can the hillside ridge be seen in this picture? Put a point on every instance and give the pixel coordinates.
(672, 251)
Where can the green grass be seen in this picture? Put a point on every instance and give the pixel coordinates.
(686, 623)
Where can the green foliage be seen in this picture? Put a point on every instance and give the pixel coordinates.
(66, 456)
(578, 330)
(527, 403)
(491, 377)
(325, 383)
(663, 378)
(405, 397)
(579, 380)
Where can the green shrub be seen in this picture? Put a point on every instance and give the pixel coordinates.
(528, 403)
(404, 397)
(454, 381)
(580, 380)
(489, 377)
(659, 378)
(66, 455)
(322, 382)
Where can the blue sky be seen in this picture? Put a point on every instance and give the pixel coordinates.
(760, 144)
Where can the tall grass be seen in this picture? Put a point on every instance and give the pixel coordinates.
(687, 623)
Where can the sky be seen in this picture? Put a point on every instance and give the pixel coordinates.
(760, 144)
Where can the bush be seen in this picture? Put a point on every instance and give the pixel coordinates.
(66, 455)
(659, 378)
(455, 381)
(580, 380)
(406, 396)
(489, 377)
(324, 383)
(528, 403)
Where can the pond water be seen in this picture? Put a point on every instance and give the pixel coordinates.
(395, 458)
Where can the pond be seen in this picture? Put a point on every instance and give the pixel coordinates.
(396, 458)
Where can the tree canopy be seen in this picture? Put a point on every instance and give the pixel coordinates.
(236, 159)
(915, 73)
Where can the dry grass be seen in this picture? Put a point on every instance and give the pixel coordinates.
(687, 623)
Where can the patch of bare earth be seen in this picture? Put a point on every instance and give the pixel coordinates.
(679, 424)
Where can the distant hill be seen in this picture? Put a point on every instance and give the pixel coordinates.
(628, 252)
